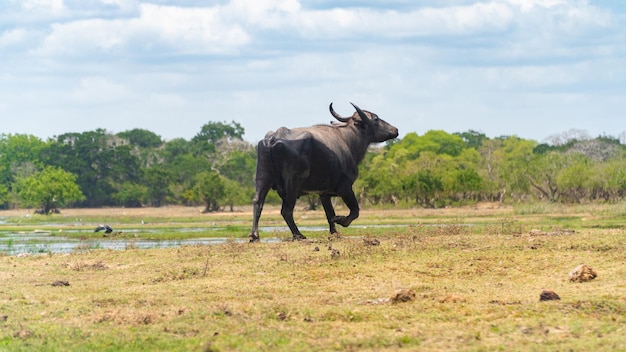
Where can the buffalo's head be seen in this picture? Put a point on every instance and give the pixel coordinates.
(376, 128)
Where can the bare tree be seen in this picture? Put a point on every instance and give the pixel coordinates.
(568, 136)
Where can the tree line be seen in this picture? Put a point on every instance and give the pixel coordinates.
(216, 169)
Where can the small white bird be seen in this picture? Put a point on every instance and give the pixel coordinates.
(105, 227)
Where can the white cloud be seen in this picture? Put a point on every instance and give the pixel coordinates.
(122, 4)
(568, 17)
(465, 20)
(350, 22)
(100, 90)
(52, 6)
(158, 28)
(527, 5)
(30, 12)
(169, 100)
(226, 29)
(12, 37)
(263, 12)
(82, 37)
(192, 30)
(170, 67)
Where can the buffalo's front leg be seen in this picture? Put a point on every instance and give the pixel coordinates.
(350, 199)
(287, 212)
(330, 212)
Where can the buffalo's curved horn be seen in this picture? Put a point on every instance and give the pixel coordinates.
(364, 117)
(336, 115)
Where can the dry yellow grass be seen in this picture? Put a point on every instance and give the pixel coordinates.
(476, 288)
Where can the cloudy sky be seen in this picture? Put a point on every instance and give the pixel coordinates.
(531, 68)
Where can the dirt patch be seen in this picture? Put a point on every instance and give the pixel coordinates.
(451, 299)
(126, 318)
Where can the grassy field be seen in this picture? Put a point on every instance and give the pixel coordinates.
(471, 278)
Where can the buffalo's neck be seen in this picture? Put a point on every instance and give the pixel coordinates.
(357, 141)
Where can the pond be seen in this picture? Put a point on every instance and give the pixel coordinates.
(13, 243)
(16, 243)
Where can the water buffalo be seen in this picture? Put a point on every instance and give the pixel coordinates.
(321, 159)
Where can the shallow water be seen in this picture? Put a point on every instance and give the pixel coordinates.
(42, 243)
(12, 243)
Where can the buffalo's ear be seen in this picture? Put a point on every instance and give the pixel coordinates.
(338, 124)
(362, 115)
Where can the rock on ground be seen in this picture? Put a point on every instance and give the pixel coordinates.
(547, 295)
(582, 273)
(403, 295)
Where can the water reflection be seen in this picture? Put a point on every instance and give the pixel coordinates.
(39, 243)
(44, 242)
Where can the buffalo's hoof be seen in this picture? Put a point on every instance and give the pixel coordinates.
(342, 220)
(254, 238)
(298, 237)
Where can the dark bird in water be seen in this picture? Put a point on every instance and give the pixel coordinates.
(106, 228)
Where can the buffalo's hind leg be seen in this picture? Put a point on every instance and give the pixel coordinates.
(294, 168)
(257, 204)
(330, 212)
(351, 202)
(289, 203)
(263, 182)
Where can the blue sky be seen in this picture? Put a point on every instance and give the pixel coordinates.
(531, 68)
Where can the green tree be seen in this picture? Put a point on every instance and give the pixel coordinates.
(210, 188)
(542, 173)
(49, 189)
(511, 159)
(157, 181)
(175, 148)
(377, 180)
(182, 172)
(206, 140)
(574, 178)
(240, 166)
(19, 158)
(467, 183)
(490, 161)
(142, 138)
(131, 195)
(608, 180)
(424, 186)
(4, 194)
(435, 141)
(101, 161)
(143, 145)
(472, 139)
(408, 147)
(235, 194)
